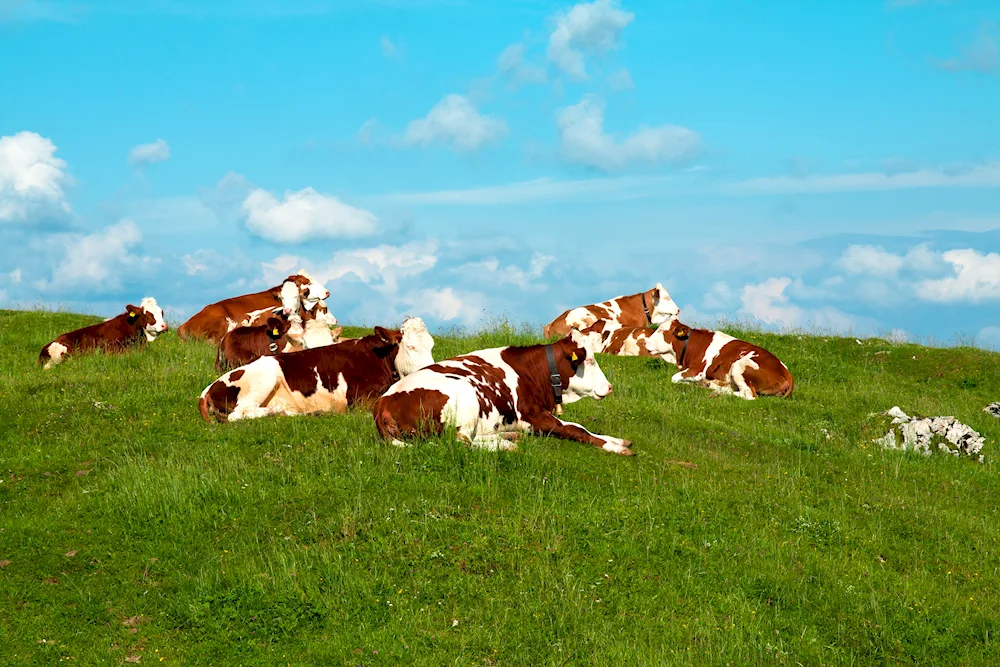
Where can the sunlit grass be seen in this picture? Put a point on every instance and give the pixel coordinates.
(308, 541)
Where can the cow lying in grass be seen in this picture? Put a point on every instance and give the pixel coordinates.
(324, 379)
(243, 345)
(491, 396)
(720, 362)
(609, 338)
(136, 326)
(650, 308)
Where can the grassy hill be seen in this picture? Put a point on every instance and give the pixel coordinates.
(765, 532)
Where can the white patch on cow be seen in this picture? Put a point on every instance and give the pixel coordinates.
(255, 317)
(313, 292)
(230, 324)
(580, 318)
(415, 348)
(317, 334)
(633, 345)
(291, 298)
(56, 353)
(664, 309)
(719, 341)
(735, 376)
(159, 324)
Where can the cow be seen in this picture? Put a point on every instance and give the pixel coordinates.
(491, 396)
(136, 326)
(609, 338)
(650, 308)
(720, 362)
(245, 344)
(325, 379)
(213, 321)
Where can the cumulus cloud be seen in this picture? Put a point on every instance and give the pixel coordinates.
(621, 80)
(388, 48)
(870, 260)
(145, 154)
(304, 215)
(768, 302)
(588, 28)
(381, 267)
(583, 140)
(368, 131)
(976, 277)
(448, 305)
(512, 65)
(31, 179)
(981, 55)
(490, 270)
(98, 261)
(455, 122)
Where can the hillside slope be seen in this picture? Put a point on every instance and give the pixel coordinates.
(129, 527)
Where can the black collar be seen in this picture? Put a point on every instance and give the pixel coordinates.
(645, 309)
(554, 378)
(680, 360)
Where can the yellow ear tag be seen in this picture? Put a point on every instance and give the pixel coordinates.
(276, 332)
(574, 357)
(131, 314)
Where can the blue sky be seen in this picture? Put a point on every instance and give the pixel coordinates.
(832, 165)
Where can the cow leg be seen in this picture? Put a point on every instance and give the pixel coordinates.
(740, 385)
(489, 441)
(686, 375)
(549, 425)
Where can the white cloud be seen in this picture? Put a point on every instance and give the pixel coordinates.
(982, 55)
(144, 154)
(455, 122)
(304, 215)
(98, 261)
(976, 278)
(448, 305)
(870, 260)
(583, 139)
(15, 276)
(381, 267)
(588, 28)
(31, 178)
(621, 80)
(513, 65)
(768, 303)
(490, 270)
(367, 131)
(980, 176)
(719, 297)
(388, 48)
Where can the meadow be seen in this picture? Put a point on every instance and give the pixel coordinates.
(764, 532)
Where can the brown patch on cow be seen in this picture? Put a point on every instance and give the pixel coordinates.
(236, 375)
(624, 340)
(411, 413)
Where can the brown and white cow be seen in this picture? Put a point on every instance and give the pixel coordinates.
(491, 396)
(136, 326)
(214, 320)
(245, 344)
(609, 338)
(650, 308)
(324, 379)
(720, 362)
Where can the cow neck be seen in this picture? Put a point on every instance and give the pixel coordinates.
(684, 349)
(645, 309)
(555, 379)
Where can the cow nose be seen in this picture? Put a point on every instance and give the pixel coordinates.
(326, 294)
(609, 388)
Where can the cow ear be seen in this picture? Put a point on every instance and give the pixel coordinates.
(388, 335)
(682, 332)
(133, 313)
(336, 331)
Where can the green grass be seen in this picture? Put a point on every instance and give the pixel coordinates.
(307, 541)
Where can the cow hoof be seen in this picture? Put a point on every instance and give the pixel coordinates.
(626, 452)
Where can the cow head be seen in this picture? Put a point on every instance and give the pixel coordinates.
(312, 291)
(663, 307)
(277, 327)
(140, 319)
(588, 380)
(290, 296)
(324, 315)
(667, 339)
(415, 347)
(158, 324)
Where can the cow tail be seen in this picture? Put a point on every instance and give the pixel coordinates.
(205, 409)
(386, 423)
(220, 359)
(786, 389)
